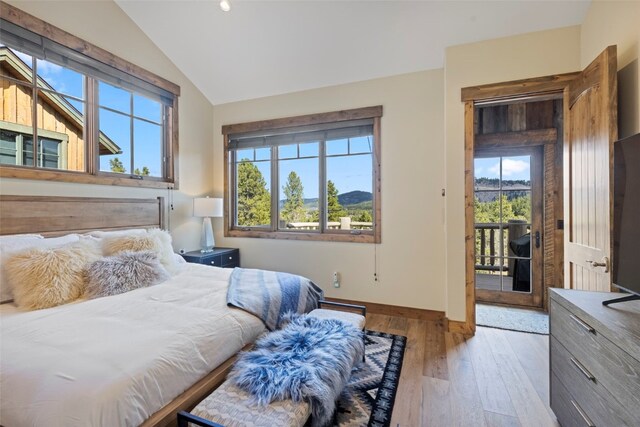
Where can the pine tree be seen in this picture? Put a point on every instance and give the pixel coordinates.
(116, 165)
(145, 171)
(254, 200)
(364, 216)
(293, 209)
(334, 208)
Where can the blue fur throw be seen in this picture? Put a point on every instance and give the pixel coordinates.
(309, 359)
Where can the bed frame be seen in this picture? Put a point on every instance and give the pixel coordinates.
(55, 216)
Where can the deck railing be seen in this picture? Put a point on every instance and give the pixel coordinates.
(345, 223)
(488, 244)
(488, 253)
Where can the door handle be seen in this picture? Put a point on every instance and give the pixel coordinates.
(603, 263)
(537, 237)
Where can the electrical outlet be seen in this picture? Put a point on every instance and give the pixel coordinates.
(336, 280)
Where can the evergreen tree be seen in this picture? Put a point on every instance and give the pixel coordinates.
(334, 208)
(364, 216)
(314, 215)
(293, 209)
(145, 171)
(116, 165)
(254, 200)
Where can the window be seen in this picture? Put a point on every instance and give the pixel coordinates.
(310, 177)
(17, 149)
(114, 124)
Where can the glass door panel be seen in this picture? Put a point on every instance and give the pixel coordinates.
(503, 200)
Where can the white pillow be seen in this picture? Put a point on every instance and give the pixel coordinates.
(156, 240)
(20, 236)
(9, 247)
(48, 277)
(117, 233)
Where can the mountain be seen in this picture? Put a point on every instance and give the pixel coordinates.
(354, 197)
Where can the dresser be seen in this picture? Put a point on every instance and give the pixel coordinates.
(594, 359)
(220, 257)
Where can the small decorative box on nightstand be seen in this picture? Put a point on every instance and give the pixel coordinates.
(220, 257)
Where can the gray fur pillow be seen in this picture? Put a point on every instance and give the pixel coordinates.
(123, 273)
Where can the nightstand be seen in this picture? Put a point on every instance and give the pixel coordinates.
(220, 257)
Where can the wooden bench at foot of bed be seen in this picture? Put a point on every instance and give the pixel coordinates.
(230, 406)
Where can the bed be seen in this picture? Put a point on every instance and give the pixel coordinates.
(129, 359)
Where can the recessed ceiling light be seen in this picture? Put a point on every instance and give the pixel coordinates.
(225, 5)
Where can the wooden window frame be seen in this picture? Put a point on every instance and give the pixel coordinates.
(266, 126)
(92, 174)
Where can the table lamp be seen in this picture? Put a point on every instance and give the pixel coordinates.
(206, 208)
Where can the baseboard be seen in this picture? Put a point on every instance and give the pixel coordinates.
(395, 310)
(460, 327)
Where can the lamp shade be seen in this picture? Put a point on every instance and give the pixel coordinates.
(207, 207)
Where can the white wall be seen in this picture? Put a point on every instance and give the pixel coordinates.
(411, 257)
(520, 57)
(107, 26)
(617, 22)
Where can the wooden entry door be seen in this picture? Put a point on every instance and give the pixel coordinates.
(590, 112)
(508, 225)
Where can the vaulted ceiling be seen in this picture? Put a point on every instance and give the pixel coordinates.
(263, 48)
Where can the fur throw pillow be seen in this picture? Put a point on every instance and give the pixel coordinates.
(47, 277)
(123, 273)
(156, 240)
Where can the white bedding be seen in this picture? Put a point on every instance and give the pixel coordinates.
(115, 361)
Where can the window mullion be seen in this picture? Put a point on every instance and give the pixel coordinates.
(19, 152)
(131, 169)
(34, 110)
(233, 188)
(91, 125)
(322, 193)
(275, 205)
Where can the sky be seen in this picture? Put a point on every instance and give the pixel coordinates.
(513, 168)
(348, 173)
(147, 136)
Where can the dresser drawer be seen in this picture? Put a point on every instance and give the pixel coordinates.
(587, 390)
(215, 260)
(567, 410)
(614, 369)
(230, 259)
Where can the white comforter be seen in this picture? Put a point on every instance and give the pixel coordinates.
(115, 361)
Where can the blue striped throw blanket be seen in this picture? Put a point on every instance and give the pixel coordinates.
(269, 295)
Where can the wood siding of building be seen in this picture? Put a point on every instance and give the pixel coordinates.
(16, 105)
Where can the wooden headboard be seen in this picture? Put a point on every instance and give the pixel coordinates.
(54, 216)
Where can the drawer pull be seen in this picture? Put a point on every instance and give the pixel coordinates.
(583, 324)
(582, 414)
(582, 369)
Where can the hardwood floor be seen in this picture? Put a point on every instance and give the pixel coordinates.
(495, 379)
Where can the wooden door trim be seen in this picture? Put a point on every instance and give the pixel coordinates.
(530, 89)
(521, 138)
(516, 90)
(469, 327)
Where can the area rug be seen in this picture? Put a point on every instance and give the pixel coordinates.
(514, 319)
(371, 392)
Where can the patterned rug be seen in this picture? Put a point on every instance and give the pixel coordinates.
(371, 392)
